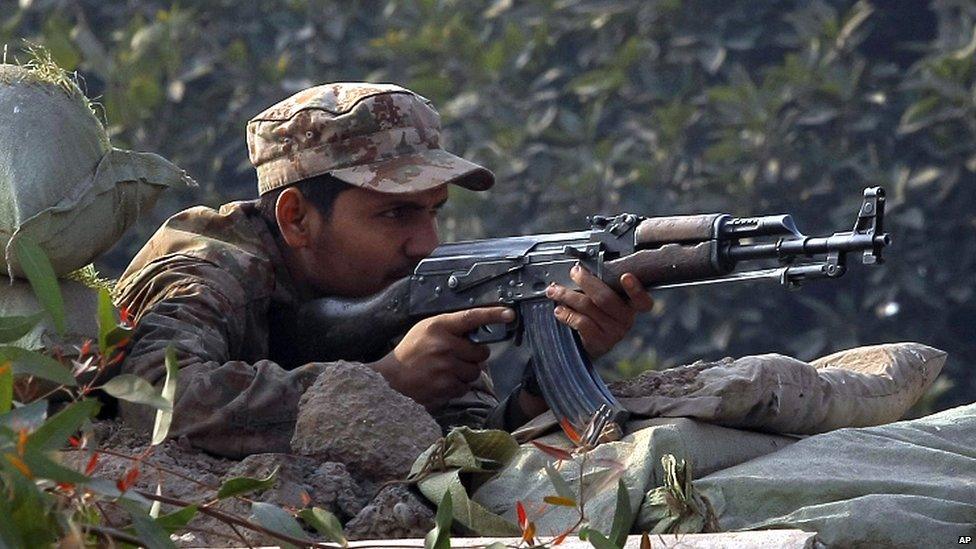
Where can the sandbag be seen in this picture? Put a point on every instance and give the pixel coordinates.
(636, 459)
(856, 388)
(80, 309)
(907, 484)
(62, 184)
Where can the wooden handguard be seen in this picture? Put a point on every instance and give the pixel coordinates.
(669, 263)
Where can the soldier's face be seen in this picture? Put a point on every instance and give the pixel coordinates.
(372, 239)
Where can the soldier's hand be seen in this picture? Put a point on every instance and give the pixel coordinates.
(436, 361)
(600, 315)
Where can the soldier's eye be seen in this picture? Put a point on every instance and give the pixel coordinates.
(395, 213)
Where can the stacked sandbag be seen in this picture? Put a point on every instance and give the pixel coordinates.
(63, 186)
(860, 387)
(906, 484)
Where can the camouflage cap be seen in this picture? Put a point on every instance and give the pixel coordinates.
(376, 136)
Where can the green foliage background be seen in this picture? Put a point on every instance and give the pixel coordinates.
(584, 106)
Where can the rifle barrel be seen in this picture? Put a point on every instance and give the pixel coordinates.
(809, 246)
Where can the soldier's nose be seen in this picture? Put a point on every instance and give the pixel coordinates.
(422, 242)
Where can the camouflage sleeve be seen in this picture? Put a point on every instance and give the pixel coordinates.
(480, 409)
(226, 407)
(473, 409)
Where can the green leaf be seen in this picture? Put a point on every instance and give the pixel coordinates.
(276, 519)
(37, 268)
(11, 535)
(29, 416)
(42, 466)
(37, 364)
(165, 417)
(559, 484)
(177, 520)
(106, 318)
(6, 388)
(623, 516)
(116, 336)
(596, 539)
(324, 523)
(55, 431)
(440, 536)
(108, 489)
(133, 388)
(13, 328)
(151, 533)
(242, 485)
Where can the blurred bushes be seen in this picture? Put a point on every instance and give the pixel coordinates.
(650, 106)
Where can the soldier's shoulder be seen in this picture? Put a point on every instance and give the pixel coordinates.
(233, 239)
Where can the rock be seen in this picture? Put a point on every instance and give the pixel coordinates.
(327, 485)
(351, 415)
(331, 487)
(395, 512)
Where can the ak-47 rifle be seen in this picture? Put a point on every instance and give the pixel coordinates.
(663, 252)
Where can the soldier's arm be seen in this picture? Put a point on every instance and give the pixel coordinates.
(226, 407)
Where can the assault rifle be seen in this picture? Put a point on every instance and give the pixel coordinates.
(663, 252)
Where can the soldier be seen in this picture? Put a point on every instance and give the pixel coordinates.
(351, 177)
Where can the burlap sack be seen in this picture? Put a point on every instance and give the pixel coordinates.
(62, 184)
(856, 388)
(80, 308)
(636, 458)
(907, 484)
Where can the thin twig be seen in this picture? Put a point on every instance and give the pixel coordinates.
(228, 518)
(112, 534)
(221, 535)
(98, 504)
(156, 466)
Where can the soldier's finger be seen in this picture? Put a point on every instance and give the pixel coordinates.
(468, 351)
(447, 387)
(463, 322)
(590, 332)
(579, 322)
(582, 305)
(466, 372)
(640, 299)
(602, 295)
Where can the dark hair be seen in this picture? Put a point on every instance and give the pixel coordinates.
(320, 190)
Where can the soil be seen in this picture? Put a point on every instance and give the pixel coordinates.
(674, 382)
(191, 475)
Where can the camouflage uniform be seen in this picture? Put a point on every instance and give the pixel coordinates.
(211, 283)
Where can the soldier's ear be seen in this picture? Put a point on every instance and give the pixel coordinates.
(292, 215)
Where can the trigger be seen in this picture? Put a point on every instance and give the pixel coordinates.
(493, 333)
